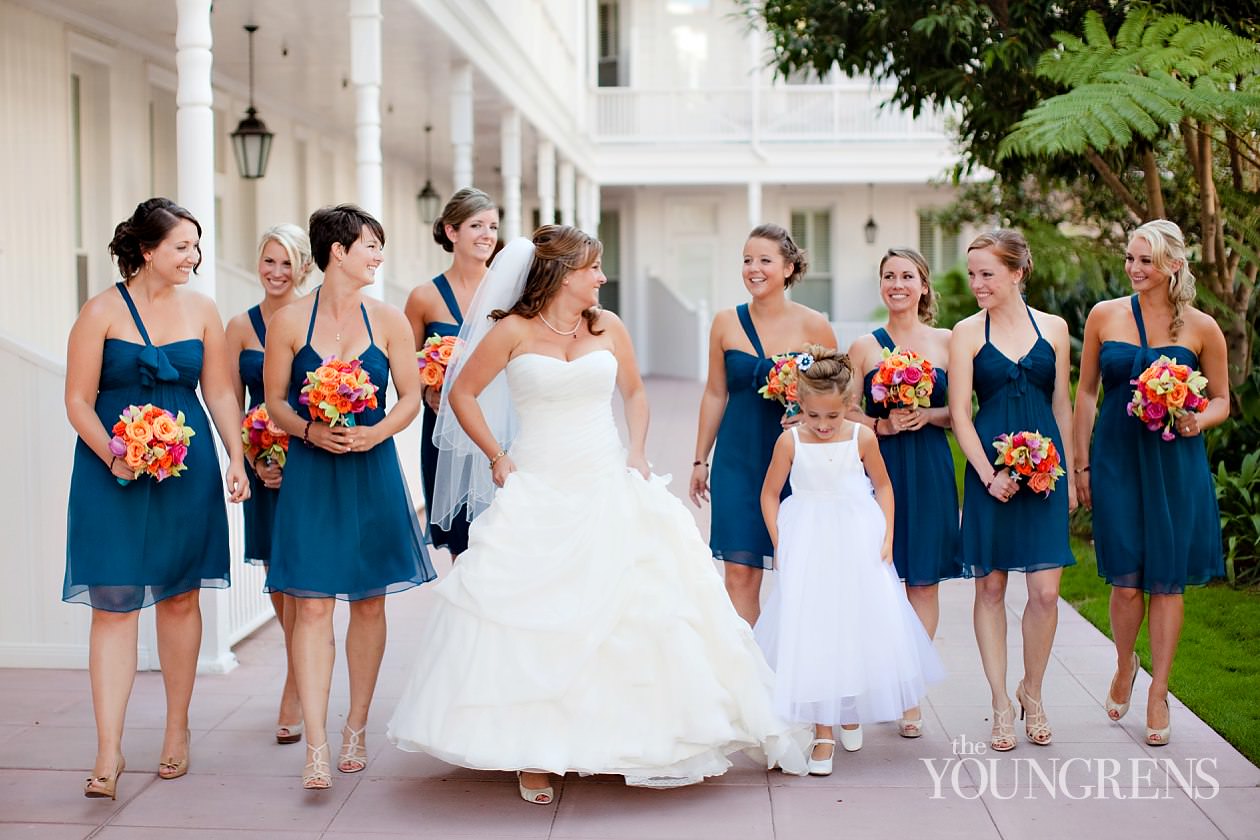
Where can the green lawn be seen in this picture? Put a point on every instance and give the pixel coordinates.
(1217, 669)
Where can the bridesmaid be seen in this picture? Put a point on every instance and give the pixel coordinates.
(344, 527)
(1145, 484)
(284, 263)
(913, 442)
(469, 229)
(1017, 359)
(744, 424)
(140, 543)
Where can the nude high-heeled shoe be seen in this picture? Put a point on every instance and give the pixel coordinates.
(1115, 710)
(1159, 737)
(317, 774)
(1037, 728)
(353, 753)
(169, 768)
(100, 787)
(534, 796)
(1002, 738)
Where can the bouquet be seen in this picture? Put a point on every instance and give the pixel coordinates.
(263, 439)
(151, 441)
(434, 357)
(1031, 456)
(781, 380)
(337, 390)
(904, 379)
(1166, 392)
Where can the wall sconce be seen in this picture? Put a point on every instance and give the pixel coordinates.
(251, 142)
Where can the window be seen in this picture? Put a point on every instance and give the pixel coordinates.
(609, 43)
(937, 246)
(811, 229)
(610, 236)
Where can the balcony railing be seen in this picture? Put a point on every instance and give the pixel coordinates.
(774, 113)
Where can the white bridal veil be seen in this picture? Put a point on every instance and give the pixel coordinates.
(463, 471)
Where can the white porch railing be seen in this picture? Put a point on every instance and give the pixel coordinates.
(772, 113)
(680, 333)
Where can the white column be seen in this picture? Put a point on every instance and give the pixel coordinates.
(546, 182)
(754, 204)
(194, 128)
(565, 199)
(588, 205)
(365, 74)
(510, 165)
(462, 122)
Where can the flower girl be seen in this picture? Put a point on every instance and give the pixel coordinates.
(844, 642)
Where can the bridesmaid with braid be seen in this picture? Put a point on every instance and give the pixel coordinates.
(1156, 524)
(284, 263)
(744, 424)
(912, 441)
(469, 230)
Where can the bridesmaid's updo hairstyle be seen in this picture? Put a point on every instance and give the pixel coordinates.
(794, 256)
(296, 245)
(830, 372)
(145, 230)
(1011, 249)
(1168, 247)
(464, 204)
(559, 250)
(927, 302)
(344, 224)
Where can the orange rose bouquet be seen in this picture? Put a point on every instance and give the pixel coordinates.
(781, 380)
(151, 441)
(338, 390)
(904, 379)
(1031, 456)
(263, 438)
(434, 357)
(1166, 392)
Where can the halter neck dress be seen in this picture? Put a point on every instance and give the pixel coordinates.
(1028, 533)
(745, 441)
(260, 507)
(345, 526)
(454, 538)
(921, 468)
(130, 546)
(1156, 522)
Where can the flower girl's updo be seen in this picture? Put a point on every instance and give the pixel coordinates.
(822, 370)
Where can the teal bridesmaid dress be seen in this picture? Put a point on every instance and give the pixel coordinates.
(1156, 523)
(1028, 533)
(921, 468)
(260, 507)
(130, 546)
(454, 538)
(345, 526)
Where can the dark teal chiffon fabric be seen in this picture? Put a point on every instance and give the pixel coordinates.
(130, 546)
(345, 526)
(925, 493)
(1028, 533)
(260, 507)
(1156, 522)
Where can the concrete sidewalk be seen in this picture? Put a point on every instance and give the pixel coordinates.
(1098, 779)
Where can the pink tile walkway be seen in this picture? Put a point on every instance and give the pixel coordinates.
(243, 786)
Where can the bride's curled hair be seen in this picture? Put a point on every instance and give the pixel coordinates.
(830, 372)
(559, 250)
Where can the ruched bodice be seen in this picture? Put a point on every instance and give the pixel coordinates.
(565, 412)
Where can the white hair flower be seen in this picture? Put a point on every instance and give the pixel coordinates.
(803, 361)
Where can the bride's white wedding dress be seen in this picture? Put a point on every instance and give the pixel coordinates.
(585, 628)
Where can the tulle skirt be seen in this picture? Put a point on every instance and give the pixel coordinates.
(844, 642)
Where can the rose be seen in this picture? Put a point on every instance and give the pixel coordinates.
(164, 428)
(1177, 394)
(911, 376)
(139, 431)
(179, 452)
(905, 394)
(444, 353)
(1040, 482)
(326, 374)
(1155, 411)
(879, 392)
(135, 455)
(431, 375)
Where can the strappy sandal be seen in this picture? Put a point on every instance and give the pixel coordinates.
(100, 787)
(1002, 738)
(1115, 710)
(317, 773)
(1037, 727)
(353, 752)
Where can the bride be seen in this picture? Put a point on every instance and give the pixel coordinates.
(586, 628)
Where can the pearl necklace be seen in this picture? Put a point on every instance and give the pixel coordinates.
(571, 332)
